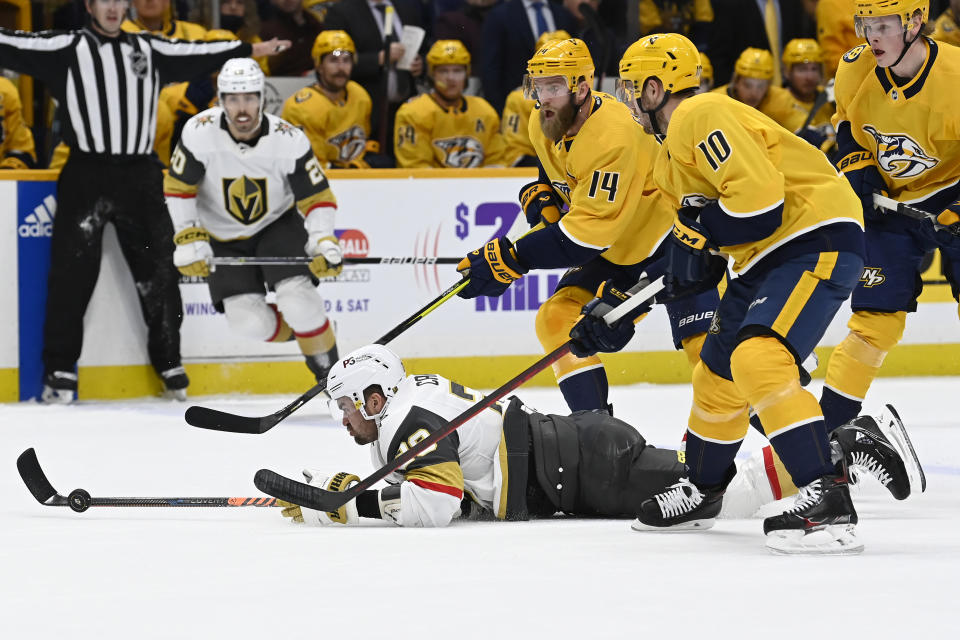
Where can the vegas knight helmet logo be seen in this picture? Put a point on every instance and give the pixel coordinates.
(900, 155)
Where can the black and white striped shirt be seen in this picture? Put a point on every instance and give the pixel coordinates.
(108, 87)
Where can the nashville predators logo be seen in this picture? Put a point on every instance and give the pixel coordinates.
(900, 155)
(350, 144)
(562, 188)
(461, 152)
(872, 277)
(245, 198)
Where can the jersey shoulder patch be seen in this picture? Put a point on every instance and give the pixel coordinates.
(853, 54)
(303, 95)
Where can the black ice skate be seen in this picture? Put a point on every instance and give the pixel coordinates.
(59, 387)
(680, 507)
(175, 383)
(822, 521)
(320, 364)
(881, 447)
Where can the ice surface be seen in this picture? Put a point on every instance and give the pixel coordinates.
(247, 573)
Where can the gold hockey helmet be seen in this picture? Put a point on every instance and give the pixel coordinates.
(330, 41)
(549, 36)
(801, 50)
(669, 57)
(754, 63)
(706, 68)
(447, 52)
(879, 8)
(569, 59)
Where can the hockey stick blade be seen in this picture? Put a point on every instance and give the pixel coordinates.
(205, 418)
(79, 500)
(36, 480)
(318, 499)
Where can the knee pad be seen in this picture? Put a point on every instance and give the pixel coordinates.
(249, 315)
(766, 373)
(555, 319)
(719, 412)
(301, 304)
(873, 334)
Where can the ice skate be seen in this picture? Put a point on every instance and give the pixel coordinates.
(679, 507)
(821, 522)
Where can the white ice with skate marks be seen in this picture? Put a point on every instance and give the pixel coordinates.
(247, 573)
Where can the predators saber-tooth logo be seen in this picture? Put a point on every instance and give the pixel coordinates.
(350, 144)
(245, 198)
(900, 155)
(562, 188)
(461, 152)
(872, 277)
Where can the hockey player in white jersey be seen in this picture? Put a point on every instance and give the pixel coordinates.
(512, 463)
(245, 183)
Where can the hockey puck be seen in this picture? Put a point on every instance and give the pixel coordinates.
(79, 500)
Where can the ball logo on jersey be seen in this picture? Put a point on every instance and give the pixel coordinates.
(900, 155)
(461, 152)
(350, 144)
(245, 198)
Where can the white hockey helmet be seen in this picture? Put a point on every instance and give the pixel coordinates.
(241, 75)
(359, 370)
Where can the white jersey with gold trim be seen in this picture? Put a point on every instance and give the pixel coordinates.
(242, 187)
(472, 459)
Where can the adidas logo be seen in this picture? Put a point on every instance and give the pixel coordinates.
(39, 224)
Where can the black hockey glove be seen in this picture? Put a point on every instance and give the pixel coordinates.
(692, 267)
(491, 268)
(592, 334)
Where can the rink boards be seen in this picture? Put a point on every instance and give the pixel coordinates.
(382, 213)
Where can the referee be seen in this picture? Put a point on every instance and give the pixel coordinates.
(106, 82)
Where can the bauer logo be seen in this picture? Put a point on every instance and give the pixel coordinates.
(39, 222)
(353, 242)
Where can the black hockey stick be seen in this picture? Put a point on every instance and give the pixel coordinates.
(273, 260)
(222, 421)
(79, 500)
(818, 103)
(911, 212)
(305, 495)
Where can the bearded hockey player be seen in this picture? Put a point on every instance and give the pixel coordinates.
(898, 133)
(243, 182)
(510, 462)
(445, 128)
(595, 210)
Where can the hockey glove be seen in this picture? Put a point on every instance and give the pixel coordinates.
(491, 269)
(692, 266)
(592, 334)
(347, 514)
(327, 257)
(861, 172)
(539, 202)
(192, 252)
(950, 219)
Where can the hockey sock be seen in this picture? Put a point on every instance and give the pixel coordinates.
(716, 428)
(585, 389)
(766, 373)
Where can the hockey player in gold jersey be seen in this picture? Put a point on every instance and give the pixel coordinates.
(516, 115)
(835, 32)
(898, 131)
(445, 128)
(803, 70)
(946, 28)
(596, 162)
(16, 140)
(751, 85)
(334, 111)
(748, 190)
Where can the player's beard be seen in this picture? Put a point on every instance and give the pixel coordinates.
(562, 120)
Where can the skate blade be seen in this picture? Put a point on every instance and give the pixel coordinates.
(892, 428)
(57, 396)
(833, 540)
(693, 525)
(178, 395)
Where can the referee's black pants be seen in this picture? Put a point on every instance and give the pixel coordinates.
(91, 192)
